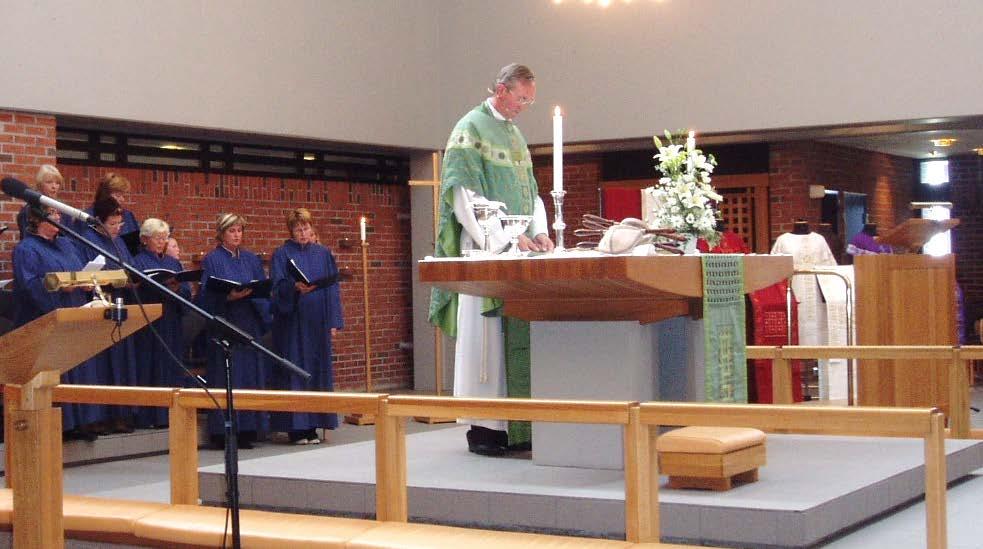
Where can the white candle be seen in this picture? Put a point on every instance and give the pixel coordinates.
(362, 228)
(557, 149)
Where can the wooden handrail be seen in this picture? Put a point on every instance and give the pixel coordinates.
(866, 421)
(161, 397)
(286, 401)
(562, 411)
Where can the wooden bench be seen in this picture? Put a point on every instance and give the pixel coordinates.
(711, 458)
(149, 524)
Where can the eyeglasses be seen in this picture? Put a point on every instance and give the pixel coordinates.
(524, 101)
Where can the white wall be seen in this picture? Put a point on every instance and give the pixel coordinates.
(400, 72)
(716, 65)
(349, 70)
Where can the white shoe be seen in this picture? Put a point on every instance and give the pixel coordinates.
(301, 442)
(314, 441)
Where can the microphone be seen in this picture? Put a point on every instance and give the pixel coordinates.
(18, 189)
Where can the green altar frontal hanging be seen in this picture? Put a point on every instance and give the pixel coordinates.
(725, 366)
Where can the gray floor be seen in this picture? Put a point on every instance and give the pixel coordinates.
(147, 479)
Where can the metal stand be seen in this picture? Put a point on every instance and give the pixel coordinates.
(231, 446)
(558, 224)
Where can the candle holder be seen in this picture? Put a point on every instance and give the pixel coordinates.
(558, 224)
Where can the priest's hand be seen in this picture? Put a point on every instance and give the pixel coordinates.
(544, 242)
(526, 244)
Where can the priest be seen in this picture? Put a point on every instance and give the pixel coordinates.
(487, 160)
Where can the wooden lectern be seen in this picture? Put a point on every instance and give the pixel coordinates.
(32, 359)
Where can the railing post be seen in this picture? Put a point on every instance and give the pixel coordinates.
(781, 379)
(641, 481)
(390, 465)
(959, 422)
(183, 440)
(11, 403)
(935, 483)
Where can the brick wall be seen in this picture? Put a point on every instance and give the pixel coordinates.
(581, 179)
(26, 142)
(966, 180)
(886, 180)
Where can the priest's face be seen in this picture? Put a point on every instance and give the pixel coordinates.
(232, 237)
(510, 102)
(303, 233)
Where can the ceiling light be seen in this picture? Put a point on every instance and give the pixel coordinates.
(944, 142)
(173, 147)
(309, 156)
(978, 150)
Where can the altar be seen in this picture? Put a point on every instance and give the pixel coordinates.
(602, 327)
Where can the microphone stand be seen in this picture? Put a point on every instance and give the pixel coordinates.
(228, 336)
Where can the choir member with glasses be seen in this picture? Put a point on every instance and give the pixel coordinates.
(157, 368)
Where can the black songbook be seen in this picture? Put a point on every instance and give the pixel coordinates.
(132, 241)
(300, 276)
(260, 288)
(164, 275)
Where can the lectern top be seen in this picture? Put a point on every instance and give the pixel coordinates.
(62, 339)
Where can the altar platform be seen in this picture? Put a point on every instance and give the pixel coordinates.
(812, 488)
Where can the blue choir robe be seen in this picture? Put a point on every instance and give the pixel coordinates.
(33, 258)
(302, 329)
(248, 367)
(158, 369)
(119, 361)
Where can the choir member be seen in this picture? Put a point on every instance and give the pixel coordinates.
(157, 368)
(120, 360)
(42, 251)
(305, 319)
(115, 186)
(173, 249)
(230, 261)
(48, 182)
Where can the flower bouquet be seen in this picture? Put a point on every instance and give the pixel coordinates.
(684, 200)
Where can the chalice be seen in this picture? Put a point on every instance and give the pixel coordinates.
(485, 213)
(515, 225)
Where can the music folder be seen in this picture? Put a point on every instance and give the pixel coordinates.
(260, 288)
(300, 276)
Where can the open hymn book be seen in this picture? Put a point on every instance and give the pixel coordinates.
(300, 276)
(260, 288)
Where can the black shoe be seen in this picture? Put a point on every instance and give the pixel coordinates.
(487, 442)
(245, 442)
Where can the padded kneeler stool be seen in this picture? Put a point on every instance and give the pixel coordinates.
(711, 458)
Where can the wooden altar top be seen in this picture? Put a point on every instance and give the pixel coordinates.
(646, 289)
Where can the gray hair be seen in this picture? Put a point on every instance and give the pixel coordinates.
(510, 73)
(152, 226)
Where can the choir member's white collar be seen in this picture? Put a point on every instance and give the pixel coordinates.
(232, 253)
(495, 113)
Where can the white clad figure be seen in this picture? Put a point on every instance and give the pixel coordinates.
(808, 250)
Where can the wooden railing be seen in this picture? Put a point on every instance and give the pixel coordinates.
(958, 358)
(640, 423)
